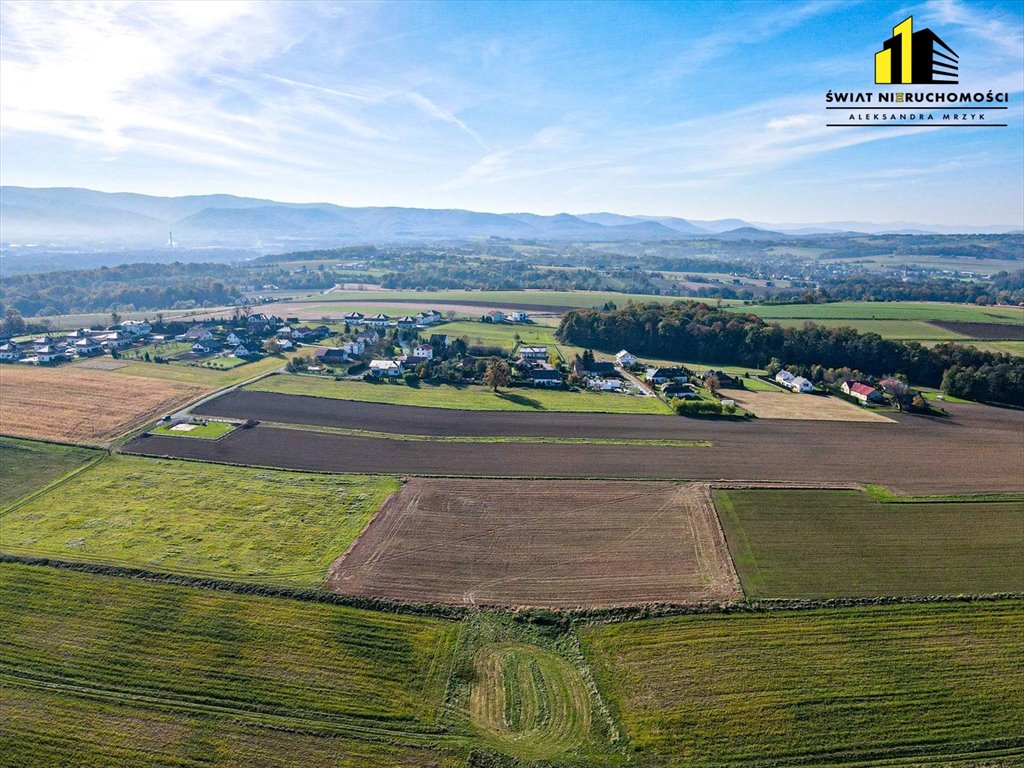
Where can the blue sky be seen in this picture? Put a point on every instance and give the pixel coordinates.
(700, 110)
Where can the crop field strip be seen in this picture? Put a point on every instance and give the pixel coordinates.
(542, 544)
(28, 465)
(907, 685)
(988, 331)
(201, 653)
(467, 397)
(259, 525)
(831, 543)
(916, 449)
(79, 405)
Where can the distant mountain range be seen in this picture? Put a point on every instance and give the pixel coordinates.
(67, 215)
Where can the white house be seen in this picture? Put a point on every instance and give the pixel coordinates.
(800, 384)
(377, 321)
(625, 359)
(494, 316)
(10, 351)
(42, 341)
(136, 328)
(381, 368)
(116, 340)
(49, 354)
(423, 352)
(533, 353)
(605, 385)
(87, 348)
(518, 316)
(245, 351)
(195, 333)
(235, 338)
(354, 318)
(430, 317)
(783, 377)
(353, 347)
(406, 322)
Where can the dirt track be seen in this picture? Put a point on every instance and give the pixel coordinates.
(541, 543)
(979, 449)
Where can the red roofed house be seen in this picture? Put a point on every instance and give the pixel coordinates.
(863, 392)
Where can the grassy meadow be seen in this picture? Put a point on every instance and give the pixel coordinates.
(936, 683)
(136, 673)
(828, 543)
(209, 431)
(197, 518)
(206, 376)
(26, 465)
(469, 398)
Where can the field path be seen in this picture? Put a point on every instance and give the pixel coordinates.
(713, 559)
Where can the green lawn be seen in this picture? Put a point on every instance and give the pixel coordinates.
(207, 519)
(167, 350)
(209, 431)
(470, 397)
(819, 543)
(925, 683)
(499, 334)
(116, 671)
(26, 465)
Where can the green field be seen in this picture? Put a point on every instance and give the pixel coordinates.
(537, 298)
(500, 334)
(925, 683)
(819, 543)
(196, 518)
(887, 310)
(470, 397)
(209, 431)
(108, 671)
(26, 465)
(909, 330)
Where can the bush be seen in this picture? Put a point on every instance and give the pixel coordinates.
(700, 407)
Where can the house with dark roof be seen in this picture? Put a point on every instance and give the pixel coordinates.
(329, 355)
(661, 375)
(594, 369)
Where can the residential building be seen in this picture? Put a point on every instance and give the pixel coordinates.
(382, 368)
(87, 348)
(406, 322)
(625, 359)
(519, 316)
(379, 320)
(136, 328)
(10, 352)
(661, 375)
(494, 316)
(354, 318)
(329, 355)
(423, 352)
(50, 354)
(533, 353)
(545, 375)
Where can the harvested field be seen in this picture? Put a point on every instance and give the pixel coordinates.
(788, 405)
(82, 406)
(913, 456)
(835, 543)
(990, 331)
(541, 543)
(935, 684)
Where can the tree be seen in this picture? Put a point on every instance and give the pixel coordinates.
(115, 318)
(14, 323)
(712, 383)
(272, 347)
(497, 374)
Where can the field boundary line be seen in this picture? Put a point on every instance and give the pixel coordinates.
(33, 495)
(455, 612)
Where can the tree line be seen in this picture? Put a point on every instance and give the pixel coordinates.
(697, 331)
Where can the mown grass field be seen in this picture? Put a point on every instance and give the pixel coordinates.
(196, 518)
(205, 376)
(824, 543)
(108, 671)
(26, 465)
(895, 684)
(905, 330)
(470, 398)
(887, 310)
(209, 431)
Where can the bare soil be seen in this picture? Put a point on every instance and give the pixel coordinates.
(979, 448)
(989, 331)
(541, 543)
(77, 405)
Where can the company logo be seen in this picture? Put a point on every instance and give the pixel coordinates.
(915, 58)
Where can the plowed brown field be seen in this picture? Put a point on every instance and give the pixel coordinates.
(79, 405)
(542, 543)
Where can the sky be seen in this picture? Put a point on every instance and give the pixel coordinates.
(701, 110)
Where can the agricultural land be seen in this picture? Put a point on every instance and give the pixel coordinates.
(833, 543)
(27, 465)
(538, 543)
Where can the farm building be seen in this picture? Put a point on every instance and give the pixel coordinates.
(662, 375)
(863, 392)
(328, 355)
(625, 359)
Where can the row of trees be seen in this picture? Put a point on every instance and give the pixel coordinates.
(698, 331)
